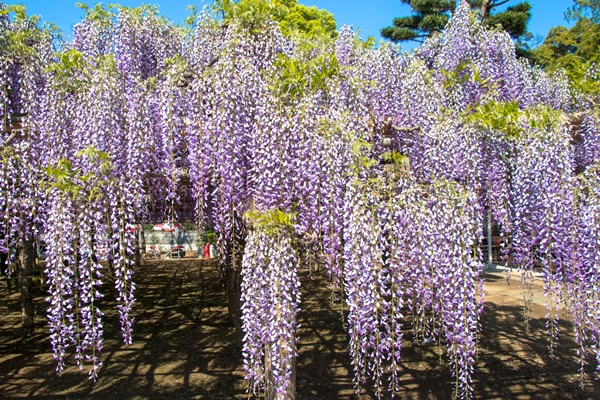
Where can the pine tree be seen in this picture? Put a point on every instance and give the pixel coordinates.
(430, 16)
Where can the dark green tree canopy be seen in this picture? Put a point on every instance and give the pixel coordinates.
(513, 20)
(430, 16)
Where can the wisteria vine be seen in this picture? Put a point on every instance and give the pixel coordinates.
(379, 165)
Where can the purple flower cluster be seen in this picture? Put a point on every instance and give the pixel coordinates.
(588, 150)
(541, 208)
(87, 215)
(481, 63)
(582, 273)
(409, 251)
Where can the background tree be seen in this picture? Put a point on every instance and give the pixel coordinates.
(430, 17)
(575, 50)
(291, 16)
(584, 8)
(563, 47)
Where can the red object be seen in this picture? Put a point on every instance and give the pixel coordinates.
(206, 250)
(132, 227)
(177, 251)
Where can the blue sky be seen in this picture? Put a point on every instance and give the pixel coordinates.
(369, 16)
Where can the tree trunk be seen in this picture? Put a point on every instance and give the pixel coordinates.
(234, 300)
(270, 392)
(4, 264)
(4, 258)
(233, 282)
(25, 262)
(485, 9)
(38, 252)
(111, 266)
(138, 254)
(142, 239)
(110, 259)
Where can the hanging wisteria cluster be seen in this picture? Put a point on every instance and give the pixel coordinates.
(382, 166)
(83, 213)
(271, 298)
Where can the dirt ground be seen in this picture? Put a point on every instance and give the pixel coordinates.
(184, 347)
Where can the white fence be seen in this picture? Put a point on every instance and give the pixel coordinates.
(164, 240)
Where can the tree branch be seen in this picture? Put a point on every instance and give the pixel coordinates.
(494, 4)
(212, 62)
(405, 128)
(9, 139)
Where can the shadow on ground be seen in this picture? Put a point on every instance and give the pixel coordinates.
(184, 348)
